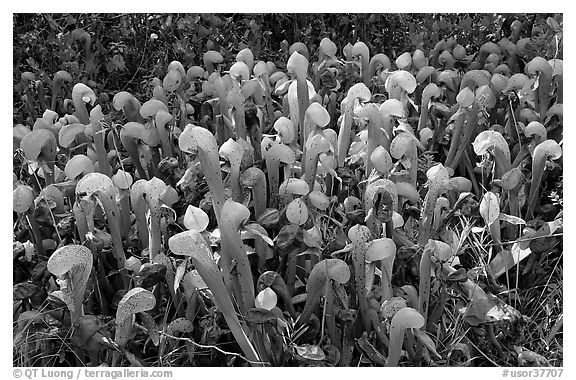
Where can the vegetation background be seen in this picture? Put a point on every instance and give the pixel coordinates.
(128, 50)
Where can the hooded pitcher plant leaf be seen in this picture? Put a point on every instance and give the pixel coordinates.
(172, 80)
(315, 145)
(457, 120)
(362, 93)
(426, 73)
(138, 205)
(129, 136)
(494, 142)
(429, 92)
(328, 269)
(390, 110)
(150, 108)
(161, 121)
(68, 134)
(404, 147)
(438, 180)
(123, 181)
(135, 301)
(191, 243)
(284, 127)
(236, 100)
(153, 191)
(276, 154)
(408, 191)
(399, 84)
(142, 132)
(57, 83)
(297, 212)
(210, 58)
(319, 200)
(274, 281)
(98, 134)
(298, 66)
(76, 260)
(233, 152)
(82, 94)
(405, 318)
(485, 97)
(430, 249)
(378, 62)
(465, 97)
(234, 258)
(360, 236)
(404, 61)
(22, 199)
(384, 251)
(537, 132)
(548, 149)
(291, 187)
(316, 118)
(101, 186)
(128, 103)
(371, 113)
(255, 179)
(474, 79)
(381, 160)
(199, 140)
(539, 66)
(376, 187)
(361, 56)
(40, 146)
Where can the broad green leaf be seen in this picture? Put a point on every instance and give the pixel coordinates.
(489, 208)
(255, 229)
(310, 352)
(506, 260)
(511, 219)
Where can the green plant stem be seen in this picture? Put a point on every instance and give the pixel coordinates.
(495, 233)
(360, 277)
(261, 248)
(139, 208)
(112, 216)
(424, 286)
(471, 124)
(377, 326)
(240, 121)
(165, 142)
(124, 209)
(456, 137)
(132, 148)
(103, 163)
(303, 102)
(396, 341)
(427, 214)
(291, 258)
(386, 284)
(471, 175)
(329, 315)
